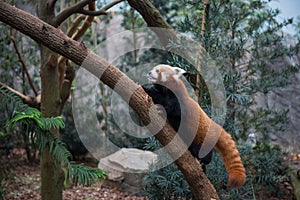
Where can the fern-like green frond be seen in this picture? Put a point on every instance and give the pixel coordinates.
(52, 122)
(83, 175)
(58, 150)
(29, 115)
(39, 128)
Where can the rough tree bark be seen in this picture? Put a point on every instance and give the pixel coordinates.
(52, 176)
(55, 40)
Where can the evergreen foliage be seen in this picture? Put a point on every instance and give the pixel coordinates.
(265, 171)
(245, 40)
(40, 134)
(164, 183)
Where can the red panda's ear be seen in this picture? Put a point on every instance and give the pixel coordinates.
(178, 71)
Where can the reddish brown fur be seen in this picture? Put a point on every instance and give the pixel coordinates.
(225, 145)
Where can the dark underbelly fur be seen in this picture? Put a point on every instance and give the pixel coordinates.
(166, 98)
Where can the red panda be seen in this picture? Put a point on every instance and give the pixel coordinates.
(164, 97)
(190, 110)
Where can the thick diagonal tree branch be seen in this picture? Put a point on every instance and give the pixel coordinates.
(57, 41)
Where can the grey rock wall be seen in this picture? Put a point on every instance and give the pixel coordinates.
(286, 98)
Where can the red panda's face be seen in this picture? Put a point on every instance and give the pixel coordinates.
(163, 73)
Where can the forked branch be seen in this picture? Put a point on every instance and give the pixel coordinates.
(76, 8)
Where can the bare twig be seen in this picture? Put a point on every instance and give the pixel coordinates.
(200, 58)
(76, 8)
(75, 24)
(80, 32)
(29, 100)
(110, 5)
(52, 3)
(87, 23)
(75, 36)
(23, 64)
(92, 13)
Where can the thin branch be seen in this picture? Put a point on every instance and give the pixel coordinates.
(200, 55)
(75, 24)
(31, 101)
(70, 11)
(78, 8)
(23, 64)
(75, 36)
(92, 13)
(87, 23)
(52, 3)
(110, 5)
(66, 85)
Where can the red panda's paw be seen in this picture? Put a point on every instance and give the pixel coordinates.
(236, 180)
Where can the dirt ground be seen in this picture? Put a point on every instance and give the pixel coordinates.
(21, 180)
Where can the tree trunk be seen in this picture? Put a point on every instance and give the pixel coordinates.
(132, 93)
(52, 176)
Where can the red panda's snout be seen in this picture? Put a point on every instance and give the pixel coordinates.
(152, 76)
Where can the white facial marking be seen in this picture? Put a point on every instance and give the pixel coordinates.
(176, 78)
(163, 77)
